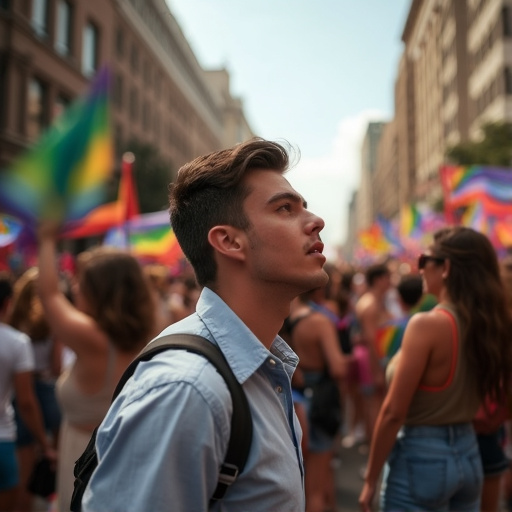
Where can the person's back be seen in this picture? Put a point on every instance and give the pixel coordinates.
(254, 247)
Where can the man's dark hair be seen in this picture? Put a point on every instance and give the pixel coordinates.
(410, 289)
(373, 272)
(210, 191)
(5, 288)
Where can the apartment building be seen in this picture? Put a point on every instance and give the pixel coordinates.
(161, 96)
(386, 182)
(489, 42)
(455, 74)
(460, 53)
(365, 210)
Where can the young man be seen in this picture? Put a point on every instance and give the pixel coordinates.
(254, 246)
(371, 312)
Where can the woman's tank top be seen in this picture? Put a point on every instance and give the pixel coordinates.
(82, 409)
(454, 402)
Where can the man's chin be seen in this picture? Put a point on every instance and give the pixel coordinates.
(319, 281)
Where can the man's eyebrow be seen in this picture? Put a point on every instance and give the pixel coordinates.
(295, 198)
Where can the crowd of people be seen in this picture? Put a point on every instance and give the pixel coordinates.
(66, 339)
(411, 360)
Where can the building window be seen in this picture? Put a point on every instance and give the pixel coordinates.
(37, 117)
(118, 139)
(134, 105)
(119, 42)
(90, 49)
(63, 39)
(508, 80)
(40, 17)
(61, 104)
(134, 58)
(505, 18)
(146, 117)
(118, 92)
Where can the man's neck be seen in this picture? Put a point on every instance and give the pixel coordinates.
(262, 311)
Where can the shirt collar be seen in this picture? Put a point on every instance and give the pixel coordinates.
(243, 351)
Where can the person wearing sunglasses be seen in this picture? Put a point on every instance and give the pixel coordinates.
(450, 359)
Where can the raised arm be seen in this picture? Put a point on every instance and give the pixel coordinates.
(71, 326)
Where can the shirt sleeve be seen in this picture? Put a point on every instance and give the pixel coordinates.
(163, 450)
(24, 359)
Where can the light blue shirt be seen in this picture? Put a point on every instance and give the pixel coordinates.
(164, 438)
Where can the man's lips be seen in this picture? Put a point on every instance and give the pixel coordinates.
(317, 247)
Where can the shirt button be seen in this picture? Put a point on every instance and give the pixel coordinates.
(272, 362)
(279, 389)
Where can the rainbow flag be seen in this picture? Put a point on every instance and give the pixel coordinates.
(474, 217)
(149, 237)
(62, 177)
(503, 233)
(373, 241)
(388, 337)
(466, 185)
(410, 220)
(10, 229)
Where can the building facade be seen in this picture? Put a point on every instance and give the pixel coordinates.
(454, 75)
(365, 210)
(51, 49)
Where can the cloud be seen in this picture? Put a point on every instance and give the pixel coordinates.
(328, 182)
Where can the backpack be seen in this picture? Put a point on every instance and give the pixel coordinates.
(241, 422)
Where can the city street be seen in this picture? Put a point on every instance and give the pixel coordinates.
(349, 466)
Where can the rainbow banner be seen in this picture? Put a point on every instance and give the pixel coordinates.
(388, 338)
(491, 187)
(63, 176)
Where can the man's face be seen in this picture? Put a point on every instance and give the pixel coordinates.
(284, 242)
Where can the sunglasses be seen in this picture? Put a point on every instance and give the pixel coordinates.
(422, 260)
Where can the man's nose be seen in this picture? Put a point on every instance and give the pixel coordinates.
(315, 223)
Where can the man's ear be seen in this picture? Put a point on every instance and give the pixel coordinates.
(227, 240)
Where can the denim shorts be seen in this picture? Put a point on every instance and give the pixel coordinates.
(8, 465)
(433, 468)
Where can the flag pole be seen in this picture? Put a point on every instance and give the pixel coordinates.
(127, 194)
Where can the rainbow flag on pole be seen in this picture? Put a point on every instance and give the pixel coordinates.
(63, 176)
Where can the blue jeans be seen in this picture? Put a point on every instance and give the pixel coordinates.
(433, 468)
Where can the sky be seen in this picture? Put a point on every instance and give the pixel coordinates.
(312, 73)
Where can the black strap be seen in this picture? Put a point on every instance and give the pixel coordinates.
(241, 420)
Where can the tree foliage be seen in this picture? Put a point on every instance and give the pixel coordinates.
(494, 149)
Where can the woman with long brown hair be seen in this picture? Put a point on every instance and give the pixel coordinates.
(451, 358)
(110, 320)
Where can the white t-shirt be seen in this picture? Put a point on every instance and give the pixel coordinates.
(16, 356)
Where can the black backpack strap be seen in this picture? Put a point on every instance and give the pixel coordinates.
(241, 420)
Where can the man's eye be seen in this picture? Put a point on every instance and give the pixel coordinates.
(287, 207)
